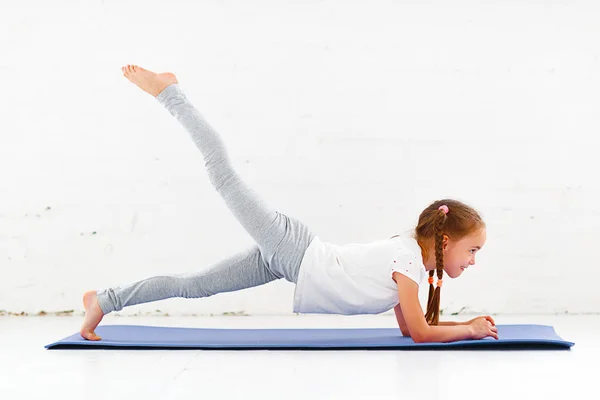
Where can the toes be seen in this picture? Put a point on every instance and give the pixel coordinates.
(90, 336)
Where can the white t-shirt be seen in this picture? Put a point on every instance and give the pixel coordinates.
(355, 278)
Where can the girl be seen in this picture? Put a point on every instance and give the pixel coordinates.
(351, 279)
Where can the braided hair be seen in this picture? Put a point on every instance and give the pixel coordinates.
(441, 218)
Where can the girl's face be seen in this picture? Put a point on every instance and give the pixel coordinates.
(459, 255)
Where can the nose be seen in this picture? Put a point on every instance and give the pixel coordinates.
(472, 262)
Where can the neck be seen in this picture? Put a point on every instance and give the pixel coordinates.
(429, 263)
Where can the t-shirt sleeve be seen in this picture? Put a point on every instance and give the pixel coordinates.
(409, 265)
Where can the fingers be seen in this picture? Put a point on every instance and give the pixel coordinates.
(488, 318)
(494, 332)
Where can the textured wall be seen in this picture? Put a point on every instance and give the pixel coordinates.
(351, 116)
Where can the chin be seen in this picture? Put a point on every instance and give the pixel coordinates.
(454, 274)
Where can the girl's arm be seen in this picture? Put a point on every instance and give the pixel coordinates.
(400, 319)
(409, 309)
(404, 329)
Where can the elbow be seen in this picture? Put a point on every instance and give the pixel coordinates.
(420, 337)
(404, 330)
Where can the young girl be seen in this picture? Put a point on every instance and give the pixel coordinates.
(352, 279)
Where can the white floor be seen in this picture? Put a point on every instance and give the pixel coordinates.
(28, 371)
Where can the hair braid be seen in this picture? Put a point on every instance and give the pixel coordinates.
(433, 303)
(444, 217)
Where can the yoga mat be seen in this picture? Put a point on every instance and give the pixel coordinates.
(147, 337)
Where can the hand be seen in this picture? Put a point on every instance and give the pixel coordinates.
(482, 327)
(484, 316)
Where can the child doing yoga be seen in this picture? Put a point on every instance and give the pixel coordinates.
(367, 278)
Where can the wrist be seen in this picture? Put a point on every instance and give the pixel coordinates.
(470, 330)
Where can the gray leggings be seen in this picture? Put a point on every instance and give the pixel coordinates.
(280, 240)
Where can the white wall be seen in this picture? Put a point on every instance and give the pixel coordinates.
(351, 116)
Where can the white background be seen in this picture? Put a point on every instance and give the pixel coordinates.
(351, 116)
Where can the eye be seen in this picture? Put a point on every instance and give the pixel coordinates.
(473, 250)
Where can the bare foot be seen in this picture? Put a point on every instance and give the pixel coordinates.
(148, 81)
(93, 316)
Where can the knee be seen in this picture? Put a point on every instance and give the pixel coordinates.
(188, 288)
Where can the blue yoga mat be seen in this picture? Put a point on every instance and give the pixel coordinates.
(145, 337)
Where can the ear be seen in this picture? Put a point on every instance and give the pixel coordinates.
(445, 242)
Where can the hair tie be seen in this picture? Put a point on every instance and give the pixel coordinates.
(444, 208)
(430, 280)
(439, 283)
